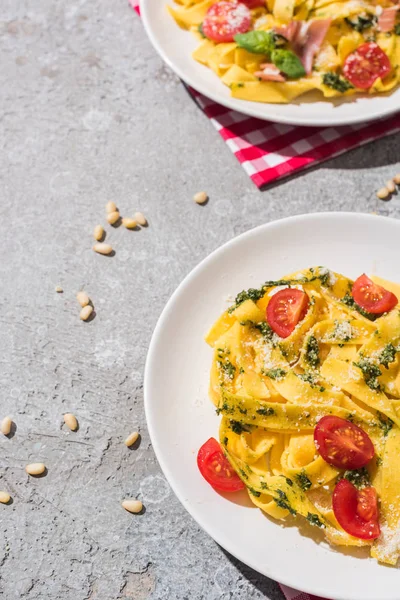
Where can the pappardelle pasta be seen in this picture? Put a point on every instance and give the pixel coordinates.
(306, 377)
(276, 50)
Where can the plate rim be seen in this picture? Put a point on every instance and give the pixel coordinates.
(376, 115)
(316, 591)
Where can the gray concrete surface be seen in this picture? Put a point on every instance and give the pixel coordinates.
(89, 113)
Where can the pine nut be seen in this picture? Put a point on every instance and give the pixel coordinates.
(86, 312)
(35, 469)
(140, 218)
(129, 223)
(102, 248)
(131, 439)
(71, 421)
(390, 186)
(83, 298)
(113, 217)
(111, 207)
(396, 179)
(59, 289)
(6, 425)
(98, 233)
(383, 193)
(4, 498)
(132, 506)
(200, 197)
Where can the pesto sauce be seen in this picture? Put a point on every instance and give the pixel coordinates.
(385, 423)
(255, 294)
(277, 373)
(358, 477)
(388, 355)
(309, 378)
(349, 301)
(254, 492)
(312, 352)
(362, 22)
(314, 520)
(238, 427)
(267, 411)
(371, 373)
(303, 481)
(283, 502)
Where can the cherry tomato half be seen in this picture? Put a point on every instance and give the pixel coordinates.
(342, 444)
(356, 510)
(285, 309)
(372, 297)
(225, 19)
(363, 66)
(216, 469)
(253, 3)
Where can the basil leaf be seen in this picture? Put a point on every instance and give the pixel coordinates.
(258, 42)
(288, 63)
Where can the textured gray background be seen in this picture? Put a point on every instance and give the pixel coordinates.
(89, 113)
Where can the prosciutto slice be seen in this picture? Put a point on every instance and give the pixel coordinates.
(387, 18)
(306, 38)
(269, 73)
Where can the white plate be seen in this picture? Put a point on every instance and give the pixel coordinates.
(180, 416)
(176, 45)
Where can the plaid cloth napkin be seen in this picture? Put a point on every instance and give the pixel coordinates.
(269, 151)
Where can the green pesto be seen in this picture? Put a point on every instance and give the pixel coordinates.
(277, 373)
(243, 474)
(361, 23)
(238, 427)
(385, 423)
(371, 373)
(283, 502)
(388, 355)
(350, 302)
(334, 81)
(254, 492)
(241, 370)
(314, 520)
(309, 378)
(225, 441)
(379, 461)
(268, 411)
(397, 29)
(358, 477)
(227, 367)
(256, 294)
(263, 485)
(225, 408)
(312, 352)
(303, 481)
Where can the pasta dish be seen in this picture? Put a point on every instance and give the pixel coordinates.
(306, 379)
(275, 50)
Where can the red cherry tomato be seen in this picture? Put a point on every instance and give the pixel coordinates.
(367, 504)
(216, 469)
(363, 66)
(253, 3)
(372, 297)
(342, 444)
(285, 309)
(225, 19)
(346, 503)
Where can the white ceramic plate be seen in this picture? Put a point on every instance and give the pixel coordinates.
(176, 45)
(180, 416)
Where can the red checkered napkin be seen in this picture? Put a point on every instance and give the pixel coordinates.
(269, 151)
(291, 594)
